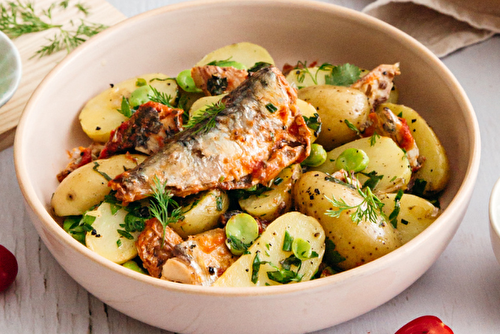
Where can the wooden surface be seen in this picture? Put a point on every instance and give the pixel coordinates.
(462, 287)
(34, 68)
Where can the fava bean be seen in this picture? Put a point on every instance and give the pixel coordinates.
(140, 96)
(316, 157)
(352, 159)
(241, 230)
(134, 266)
(186, 82)
(301, 249)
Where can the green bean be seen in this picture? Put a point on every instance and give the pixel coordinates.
(316, 157)
(140, 96)
(241, 230)
(134, 266)
(352, 159)
(186, 82)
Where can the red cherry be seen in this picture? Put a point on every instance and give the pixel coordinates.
(8, 268)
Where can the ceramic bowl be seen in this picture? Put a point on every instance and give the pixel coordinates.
(10, 67)
(495, 219)
(173, 38)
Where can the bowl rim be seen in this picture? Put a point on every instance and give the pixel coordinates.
(18, 69)
(494, 212)
(460, 199)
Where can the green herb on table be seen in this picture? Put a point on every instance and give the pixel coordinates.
(19, 18)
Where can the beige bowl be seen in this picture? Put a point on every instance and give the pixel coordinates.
(173, 38)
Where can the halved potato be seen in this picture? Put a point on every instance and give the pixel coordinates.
(273, 203)
(100, 115)
(335, 105)
(85, 187)
(357, 242)
(269, 247)
(201, 212)
(436, 168)
(105, 240)
(415, 215)
(386, 158)
(308, 110)
(302, 78)
(245, 53)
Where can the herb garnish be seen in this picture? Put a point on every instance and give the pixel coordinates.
(206, 120)
(352, 127)
(313, 123)
(271, 108)
(256, 267)
(256, 190)
(106, 176)
(393, 217)
(159, 205)
(368, 209)
(343, 75)
(373, 179)
(373, 138)
(126, 110)
(287, 242)
(159, 97)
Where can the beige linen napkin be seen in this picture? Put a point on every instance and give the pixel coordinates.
(442, 25)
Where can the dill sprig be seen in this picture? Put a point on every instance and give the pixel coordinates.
(207, 118)
(69, 40)
(159, 97)
(17, 19)
(370, 209)
(160, 203)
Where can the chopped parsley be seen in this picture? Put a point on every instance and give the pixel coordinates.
(271, 108)
(287, 242)
(106, 176)
(393, 217)
(126, 110)
(313, 123)
(343, 75)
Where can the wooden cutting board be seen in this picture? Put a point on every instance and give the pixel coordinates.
(34, 68)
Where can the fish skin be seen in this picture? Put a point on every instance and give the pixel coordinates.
(204, 75)
(248, 145)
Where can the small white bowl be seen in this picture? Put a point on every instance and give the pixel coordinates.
(10, 68)
(173, 38)
(495, 219)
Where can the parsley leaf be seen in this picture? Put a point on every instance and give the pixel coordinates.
(393, 217)
(343, 75)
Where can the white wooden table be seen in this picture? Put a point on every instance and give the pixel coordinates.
(462, 287)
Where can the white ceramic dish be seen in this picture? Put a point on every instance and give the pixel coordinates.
(173, 38)
(495, 219)
(10, 69)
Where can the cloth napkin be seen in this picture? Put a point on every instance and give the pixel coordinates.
(442, 25)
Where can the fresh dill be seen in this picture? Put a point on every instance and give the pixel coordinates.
(18, 18)
(352, 127)
(369, 209)
(159, 97)
(160, 204)
(206, 120)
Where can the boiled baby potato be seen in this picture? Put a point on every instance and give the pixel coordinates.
(335, 104)
(436, 168)
(104, 240)
(86, 187)
(269, 247)
(201, 212)
(358, 243)
(415, 215)
(386, 158)
(312, 76)
(100, 115)
(245, 53)
(271, 204)
(202, 103)
(307, 110)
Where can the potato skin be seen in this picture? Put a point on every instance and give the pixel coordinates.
(201, 212)
(416, 211)
(85, 187)
(273, 203)
(357, 243)
(386, 158)
(245, 53)
(435, 169)
(269, 246)
(334, 105)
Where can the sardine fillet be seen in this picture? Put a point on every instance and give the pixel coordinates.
(260, 132)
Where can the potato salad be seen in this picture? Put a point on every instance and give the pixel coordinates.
(238, 173)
